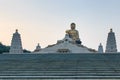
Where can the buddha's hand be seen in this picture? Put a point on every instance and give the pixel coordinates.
(67, 31)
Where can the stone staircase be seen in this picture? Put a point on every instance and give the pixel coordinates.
(59, 66)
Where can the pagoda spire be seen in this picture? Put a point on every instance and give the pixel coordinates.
(38, 48)
(111, 46)
(100, 48)
(16, 44)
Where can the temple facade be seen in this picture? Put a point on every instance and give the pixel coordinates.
(66, 45)
(16, 44)
(111, 46)
(71, 43)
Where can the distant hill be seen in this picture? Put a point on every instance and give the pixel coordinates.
(4, 49)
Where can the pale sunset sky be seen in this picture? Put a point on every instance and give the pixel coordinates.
(45, 21)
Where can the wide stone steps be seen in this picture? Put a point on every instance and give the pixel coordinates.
(56, 73)
(60, 66)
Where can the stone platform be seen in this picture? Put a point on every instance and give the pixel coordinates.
(60, 66)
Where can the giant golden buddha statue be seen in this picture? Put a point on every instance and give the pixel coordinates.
(74, 34)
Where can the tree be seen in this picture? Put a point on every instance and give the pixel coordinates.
(4, 48)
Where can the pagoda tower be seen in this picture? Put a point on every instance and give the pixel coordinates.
(100, 49)
(38, 48)
(16, 44)
(111, 46)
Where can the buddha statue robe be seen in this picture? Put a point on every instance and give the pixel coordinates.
(74, 34)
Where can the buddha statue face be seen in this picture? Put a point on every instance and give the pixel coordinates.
(73, 26)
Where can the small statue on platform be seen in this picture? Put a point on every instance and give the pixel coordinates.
(74, 34)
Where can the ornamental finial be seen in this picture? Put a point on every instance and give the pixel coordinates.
(111, 30)
(16, 30)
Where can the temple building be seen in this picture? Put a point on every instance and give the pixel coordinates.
(66, 45)
(71, 43)
(100, 48)
(111, 46)
(16, 44)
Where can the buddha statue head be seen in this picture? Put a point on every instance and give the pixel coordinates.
(73, 25)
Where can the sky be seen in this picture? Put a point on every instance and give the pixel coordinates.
(45, 21)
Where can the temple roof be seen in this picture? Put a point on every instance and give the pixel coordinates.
(66, 45)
